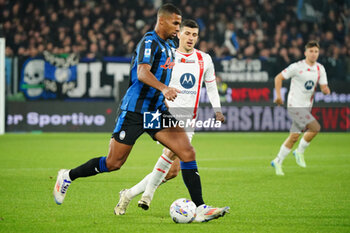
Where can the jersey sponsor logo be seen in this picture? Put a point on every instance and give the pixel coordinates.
(147, 52)
(187, 80)
(168, 64)
(183, 60)
(309, 84)
(189, 92)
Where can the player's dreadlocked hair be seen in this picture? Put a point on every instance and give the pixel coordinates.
(189, 23)
(169, 8)
(312, 43)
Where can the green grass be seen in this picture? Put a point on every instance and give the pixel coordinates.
(234, 169)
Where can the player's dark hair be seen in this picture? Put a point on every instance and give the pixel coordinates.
(189, 23)
(169, 8)
(311, 44)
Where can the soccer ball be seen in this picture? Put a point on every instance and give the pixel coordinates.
(183, 211)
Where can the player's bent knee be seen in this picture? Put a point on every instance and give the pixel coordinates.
(189, 155)
(315, 127)
(294, 138)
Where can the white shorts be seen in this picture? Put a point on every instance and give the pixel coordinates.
(301, 117)
(184, 114)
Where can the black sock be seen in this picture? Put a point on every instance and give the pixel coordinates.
(193, 184)
(90, 168)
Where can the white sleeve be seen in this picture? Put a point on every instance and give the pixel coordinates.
(323, 76)
(213, 95)
(209, 74)
(290, 71)
(210, 85)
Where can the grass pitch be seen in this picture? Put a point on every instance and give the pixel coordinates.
(235, 171)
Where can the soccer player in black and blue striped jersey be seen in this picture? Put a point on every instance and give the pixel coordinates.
(150, 74)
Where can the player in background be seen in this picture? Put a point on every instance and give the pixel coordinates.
(192, 67)
(304, 75)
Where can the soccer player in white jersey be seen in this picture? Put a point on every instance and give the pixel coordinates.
(192, 67)
(304, 75)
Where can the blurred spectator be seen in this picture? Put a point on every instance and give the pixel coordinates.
(231, 39)
(94, 52)
(263, 29)
(110, 50)
(347, 64)
(334, 64)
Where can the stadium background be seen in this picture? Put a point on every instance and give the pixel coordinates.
(67, 62)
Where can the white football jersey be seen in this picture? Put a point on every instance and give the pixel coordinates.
(188, 74)
(304, 81)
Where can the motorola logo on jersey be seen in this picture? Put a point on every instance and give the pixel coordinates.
(187, 80)
(309, 85)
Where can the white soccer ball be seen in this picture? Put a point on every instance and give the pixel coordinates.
(183, 211)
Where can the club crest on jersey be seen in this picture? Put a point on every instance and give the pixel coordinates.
(187, 80)
(309, 84)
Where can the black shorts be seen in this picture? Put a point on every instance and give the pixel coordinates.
(131, 125)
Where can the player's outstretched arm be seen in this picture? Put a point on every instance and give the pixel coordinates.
(145, 75)
(278, 85)
(325, 89)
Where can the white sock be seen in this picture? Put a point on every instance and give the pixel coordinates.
(139, 187)
(157, 176)
(302, 146)
(282, 154)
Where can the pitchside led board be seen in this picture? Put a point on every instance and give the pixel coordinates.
(59, 116)
(70, 95)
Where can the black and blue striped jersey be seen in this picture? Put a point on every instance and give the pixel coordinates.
(160, 55)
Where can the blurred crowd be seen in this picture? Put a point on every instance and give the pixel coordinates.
(269, 30)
